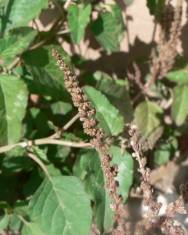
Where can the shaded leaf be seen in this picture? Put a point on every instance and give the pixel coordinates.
(124, 177)
(117, 92)
(109, 29)
(33, 183)
(78, 18)
(147, 119)
(60, 206)
(88, 169)
(47, 78)
(109, 117)
(16, 164)
(179, 106)
(13, 102)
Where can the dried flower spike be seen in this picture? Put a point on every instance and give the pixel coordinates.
(86, 113)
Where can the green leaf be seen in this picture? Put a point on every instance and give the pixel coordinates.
(3, 3)
(178, 76)
(23, 11)
(13, 102)
(16, 164)
(162, 154)
(61, 108)
(33, 182)
(78, 18)
(109, 117)
(4, 221)
(88, 169)
(109, 29)
(60, 206)
(31, 229)
(116, 91)
(124, 177)
(14, 43)
(179, 106)
(148, 121)
(47, 78)
(37, 122)
(15, 223)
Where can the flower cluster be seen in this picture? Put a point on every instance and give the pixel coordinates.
(163, 60)
(90, 126)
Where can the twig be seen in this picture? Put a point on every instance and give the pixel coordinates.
(76, 117)
(61, 142)
(63, 31)
(44, 141)
(66, 127)
(38, 44)
(14, 63)
(67, 3)
(40, 163)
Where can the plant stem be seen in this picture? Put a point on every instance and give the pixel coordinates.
(44, 141)
(67, 3)
(40, 163)
(65, 127)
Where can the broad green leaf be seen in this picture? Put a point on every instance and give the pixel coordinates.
(124, 177)
(109, 117)
(4, 220)
(179, 105)
(13, 102)
(178, 76)
(14, 43)
(23, 11)
(60, 206)
(47, 78)
(109, 28)
(31, 229)
(78, 18)
(147, 119)
(117, 92)
(88, 169)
